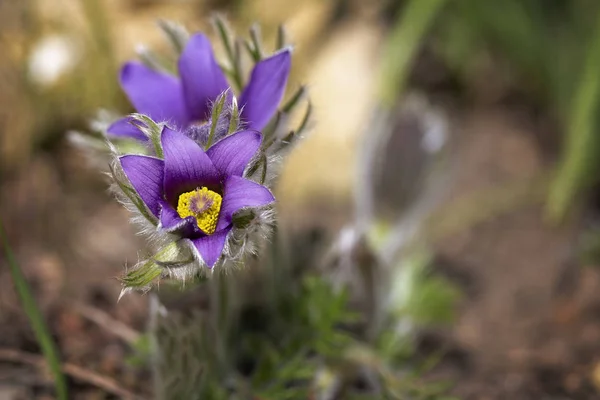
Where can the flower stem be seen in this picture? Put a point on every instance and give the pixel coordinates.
(263, 176)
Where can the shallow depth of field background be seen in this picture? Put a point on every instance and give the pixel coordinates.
(528, 323)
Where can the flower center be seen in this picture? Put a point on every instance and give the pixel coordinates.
(202, 204)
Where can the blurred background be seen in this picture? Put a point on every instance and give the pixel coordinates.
(515, 230)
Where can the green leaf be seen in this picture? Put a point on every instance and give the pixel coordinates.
(581, 146)
(402, 46)
(36, 319)
(420, 296)
(231, 49)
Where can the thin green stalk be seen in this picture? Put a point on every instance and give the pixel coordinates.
(234, 120)
(402, 46)
(36, 319)
(216, 113)
(263, 176)
(256, 42)
(231, 49)
(581, 142)
(281, 37)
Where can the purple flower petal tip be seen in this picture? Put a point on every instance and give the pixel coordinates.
(232, 154)
(123, 128)
(265, 90)
(211, 247)
(240, 193)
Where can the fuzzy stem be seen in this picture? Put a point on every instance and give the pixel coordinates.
(216, 113)
(234, 119)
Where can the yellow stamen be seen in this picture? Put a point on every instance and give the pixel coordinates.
(202, 204)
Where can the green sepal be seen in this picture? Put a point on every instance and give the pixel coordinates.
(214, 119)
(148, 271)
(142, 276)
(234, 116)
(243, 218)
(151, 129)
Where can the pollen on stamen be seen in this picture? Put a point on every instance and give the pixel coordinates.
(202, 204)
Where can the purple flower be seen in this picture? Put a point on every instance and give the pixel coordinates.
(185, 100)
(194, 193)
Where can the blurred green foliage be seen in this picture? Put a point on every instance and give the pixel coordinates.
(553, 51)
(36, 319)
(421, 296)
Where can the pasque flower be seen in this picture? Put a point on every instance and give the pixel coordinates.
(195, 193)
(185, 100)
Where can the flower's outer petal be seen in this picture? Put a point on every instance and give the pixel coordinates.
(231, 154)
(239, 193)
(125, 129)
(187, 166)
(157, 94)
(210, 247)
(202, 78)
(146, 174)
(265, 89)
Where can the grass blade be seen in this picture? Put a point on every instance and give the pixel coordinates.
(36, 319)
(403, 43)
(581, 141)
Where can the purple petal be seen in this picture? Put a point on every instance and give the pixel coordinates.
(203, 80)
(157, 94)
(169, 219)
(211, 247)
(186, 165)
(231, 154)
(171, 222)
(123, 128)
(146, 176)
(239, 193)
(265, 89)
